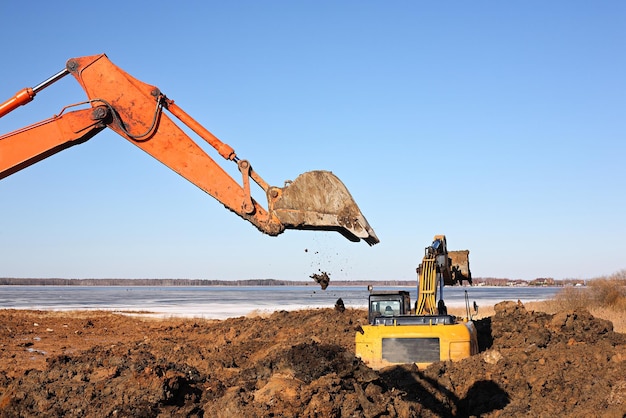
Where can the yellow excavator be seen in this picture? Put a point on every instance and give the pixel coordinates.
(400, 334)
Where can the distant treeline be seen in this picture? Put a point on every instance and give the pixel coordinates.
(488, 281)
(188, 282)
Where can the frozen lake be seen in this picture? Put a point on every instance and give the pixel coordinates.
(221, 302)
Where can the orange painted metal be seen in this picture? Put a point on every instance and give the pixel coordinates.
(134, 110)
(21, 98)
(29, 145)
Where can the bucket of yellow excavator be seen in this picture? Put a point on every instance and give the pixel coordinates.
(460, 266)
(318, 200)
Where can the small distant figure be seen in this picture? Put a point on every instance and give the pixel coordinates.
(339, 306)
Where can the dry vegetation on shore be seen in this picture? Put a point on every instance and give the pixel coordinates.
(604, 297)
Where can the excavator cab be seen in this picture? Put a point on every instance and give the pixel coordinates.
(388, 304)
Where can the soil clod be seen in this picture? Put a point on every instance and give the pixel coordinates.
(322, 278)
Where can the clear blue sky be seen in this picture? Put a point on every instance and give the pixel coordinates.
(499, 124)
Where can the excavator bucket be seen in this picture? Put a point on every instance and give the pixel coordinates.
(318, 200)
(460, 266)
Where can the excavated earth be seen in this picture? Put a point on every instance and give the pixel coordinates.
(301, 364)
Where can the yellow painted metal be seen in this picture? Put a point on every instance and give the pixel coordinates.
(456, 342)
(426, 302)
(428, 334)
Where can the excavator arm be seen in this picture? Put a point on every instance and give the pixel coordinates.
(439, 268)
(316, 200)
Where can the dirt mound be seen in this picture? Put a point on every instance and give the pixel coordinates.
(301, 364)
(535, 364)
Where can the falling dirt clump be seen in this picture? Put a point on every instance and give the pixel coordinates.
(322, 278)
(301, 364)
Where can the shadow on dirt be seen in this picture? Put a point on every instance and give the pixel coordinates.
(482, 397)
(483, 330)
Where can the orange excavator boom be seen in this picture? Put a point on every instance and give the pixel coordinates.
(315, 200)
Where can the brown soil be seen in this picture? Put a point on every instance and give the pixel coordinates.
(301, 364)
(322, 278)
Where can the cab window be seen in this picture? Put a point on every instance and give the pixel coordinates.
(386, 307)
